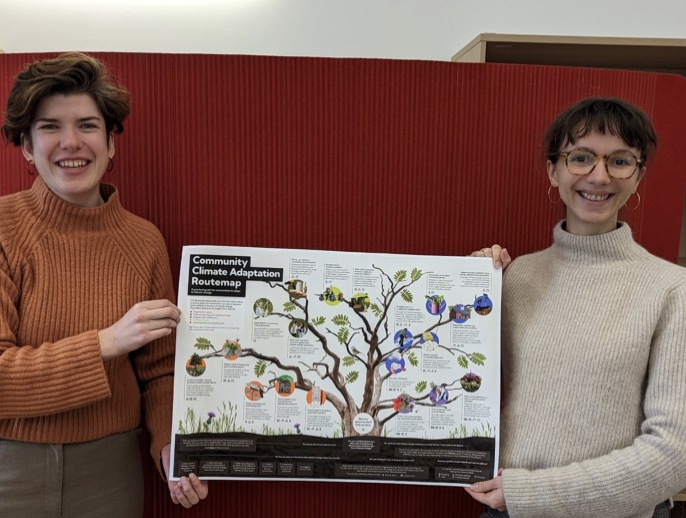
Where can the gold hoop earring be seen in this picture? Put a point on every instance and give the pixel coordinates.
(110, 165)
(551, 198)
(31, 167)
(637, 203)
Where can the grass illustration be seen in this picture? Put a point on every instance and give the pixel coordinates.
(223, 421)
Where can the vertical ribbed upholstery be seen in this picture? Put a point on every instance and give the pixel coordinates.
(362, 155)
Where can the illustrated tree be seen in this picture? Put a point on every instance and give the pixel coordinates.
(195, 362)
(358, 347)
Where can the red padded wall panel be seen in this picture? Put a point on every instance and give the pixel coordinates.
(364, 155)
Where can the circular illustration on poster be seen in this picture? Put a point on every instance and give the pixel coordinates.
(439, 394)
(195, 366)
(360, 302)
(435, 304)
(285, 385)
(404, 403)
(403, 338)
(460, 313)
(470, 382)
(395, 363)
(297, 288)
(254, 390)
(331, 295)
(315, 396)
(262, 308)
(428, 341)
(363, 423)
(297, 328)
(231, 349)
(483, 305)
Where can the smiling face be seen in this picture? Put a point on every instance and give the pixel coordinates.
(594, 200)
(70, 147)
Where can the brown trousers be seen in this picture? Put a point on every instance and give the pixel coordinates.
(98, 479)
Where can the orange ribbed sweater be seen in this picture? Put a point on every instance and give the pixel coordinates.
(65, 273)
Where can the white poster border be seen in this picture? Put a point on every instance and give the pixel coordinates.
(391, 362)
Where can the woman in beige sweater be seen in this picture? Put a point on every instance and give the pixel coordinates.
(594, 368)
(86, 318)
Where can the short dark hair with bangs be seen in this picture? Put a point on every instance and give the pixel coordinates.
(605, 116)
(69, 73)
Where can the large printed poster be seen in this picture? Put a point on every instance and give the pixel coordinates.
(318, 365)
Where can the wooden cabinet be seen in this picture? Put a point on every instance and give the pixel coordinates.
(646, 54)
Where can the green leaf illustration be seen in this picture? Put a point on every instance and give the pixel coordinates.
(416, 274)
(420, 387)
(352, 377)
(400, 275)
(406, 295)
(260, 367)
(412, 358)
(342, 335)
(348, 361)
(340, 320)
(288, 306)
(462, 361)
(477, 358)
(375, 309)
(318, 321)
(202, 343)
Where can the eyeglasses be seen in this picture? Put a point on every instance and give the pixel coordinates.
(621, 165)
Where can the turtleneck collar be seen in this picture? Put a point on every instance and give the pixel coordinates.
(598, 251)
(64, 216)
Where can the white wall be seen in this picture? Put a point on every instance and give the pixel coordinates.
(405, 29)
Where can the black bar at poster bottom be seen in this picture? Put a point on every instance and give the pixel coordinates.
(360, 458)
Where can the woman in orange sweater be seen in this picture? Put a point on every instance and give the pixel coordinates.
(86, 322)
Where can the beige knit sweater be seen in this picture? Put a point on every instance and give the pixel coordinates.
(65, 273)
(594, 361)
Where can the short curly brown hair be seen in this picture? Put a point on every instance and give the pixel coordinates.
(69, 73)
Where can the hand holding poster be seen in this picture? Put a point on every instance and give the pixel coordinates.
(298, 364)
